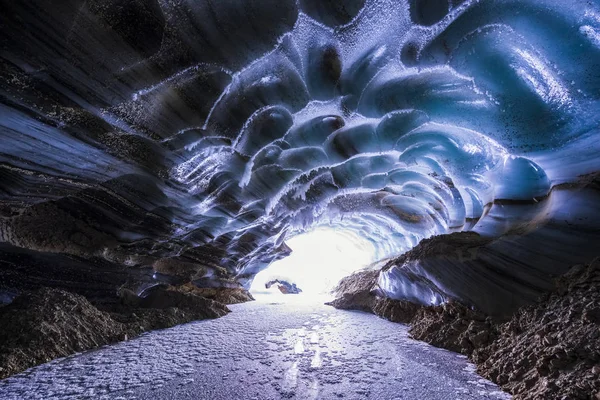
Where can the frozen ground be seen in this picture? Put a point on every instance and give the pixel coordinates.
(274, 348)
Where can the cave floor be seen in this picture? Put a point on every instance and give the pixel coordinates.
(274, 348)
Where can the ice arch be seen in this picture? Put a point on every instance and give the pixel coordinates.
(193, 137)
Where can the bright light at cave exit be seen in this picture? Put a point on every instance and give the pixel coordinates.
(319, 259)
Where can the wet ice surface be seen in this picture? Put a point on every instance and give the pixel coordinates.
(263, 350)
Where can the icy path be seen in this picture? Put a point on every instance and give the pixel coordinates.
(262, 350)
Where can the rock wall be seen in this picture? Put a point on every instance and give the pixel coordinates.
(44, 324)
(551, 349)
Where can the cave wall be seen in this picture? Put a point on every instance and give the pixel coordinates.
(183, 141)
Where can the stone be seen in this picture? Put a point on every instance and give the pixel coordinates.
(47, 323)
(41, 325)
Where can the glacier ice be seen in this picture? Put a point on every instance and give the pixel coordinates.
(212, 131)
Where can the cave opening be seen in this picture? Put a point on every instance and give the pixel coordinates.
(319, 259)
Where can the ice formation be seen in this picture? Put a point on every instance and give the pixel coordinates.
(210, 132)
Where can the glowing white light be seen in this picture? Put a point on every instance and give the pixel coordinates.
(319, 259)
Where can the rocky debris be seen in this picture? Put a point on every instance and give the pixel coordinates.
(47, 323)
(163, 296)
(548, 350)
(395, 310)
(363, 301)
(551, 350)
(141, 320)
(590, 181)
(354, 291)
(453, 326)
(222, 295)
(358, 282)
(284, 286)
(90, 303)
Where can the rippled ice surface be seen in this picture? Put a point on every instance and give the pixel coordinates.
(269, 349)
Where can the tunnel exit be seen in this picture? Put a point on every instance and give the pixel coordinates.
(319, 259)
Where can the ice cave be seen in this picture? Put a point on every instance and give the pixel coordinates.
(300, 199)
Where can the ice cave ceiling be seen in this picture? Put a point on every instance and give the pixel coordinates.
(185, 140)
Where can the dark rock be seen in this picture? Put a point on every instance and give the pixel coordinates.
(356, 293)
(361, 281)
(128, 297)
(395, 310)
(564, 359)
(45, 324)
(452, 326)
(224, 295)
(362, 301)
(161, 297)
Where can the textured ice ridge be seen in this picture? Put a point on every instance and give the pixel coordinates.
(214, 131)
